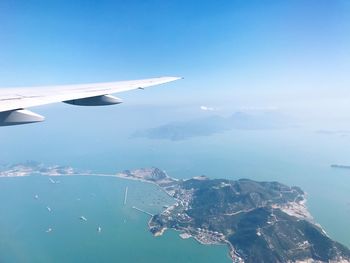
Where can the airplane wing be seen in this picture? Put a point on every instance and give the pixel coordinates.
(15, 101)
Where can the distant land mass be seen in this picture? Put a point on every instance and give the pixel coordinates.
(265, 222)
(33, 168)
(340, 166)
(341, 133)
(215, 124)
(259, 221)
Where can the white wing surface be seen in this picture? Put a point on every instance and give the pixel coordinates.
(15, 101)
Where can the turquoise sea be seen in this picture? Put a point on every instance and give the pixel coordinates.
(124, 236)
(291, 156)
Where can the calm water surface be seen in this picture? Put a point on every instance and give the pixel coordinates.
(293, 157)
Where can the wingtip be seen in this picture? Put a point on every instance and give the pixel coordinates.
(173, 77)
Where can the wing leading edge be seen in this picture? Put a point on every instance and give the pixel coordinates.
(15, 101)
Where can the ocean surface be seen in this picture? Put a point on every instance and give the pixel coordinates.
(124, 237)
(290, 156)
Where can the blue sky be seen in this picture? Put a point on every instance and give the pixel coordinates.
(250, 51)
(46, 42)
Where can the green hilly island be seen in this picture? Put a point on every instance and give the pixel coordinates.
(259, 221)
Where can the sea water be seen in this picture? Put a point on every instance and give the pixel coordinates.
(290, 156)
(124, 235)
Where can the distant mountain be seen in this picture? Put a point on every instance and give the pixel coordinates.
(215, 124)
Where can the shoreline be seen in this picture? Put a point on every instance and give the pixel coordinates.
(167, 184)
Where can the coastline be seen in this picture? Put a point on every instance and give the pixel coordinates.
(182, 192)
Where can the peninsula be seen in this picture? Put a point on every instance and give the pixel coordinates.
(258, 221)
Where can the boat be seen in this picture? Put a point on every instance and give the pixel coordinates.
(52, 181)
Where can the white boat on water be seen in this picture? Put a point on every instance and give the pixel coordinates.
(99, 229)
(52, 181)
(83, 218)
(48, 230)
(48, 209)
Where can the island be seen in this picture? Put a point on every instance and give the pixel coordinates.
(213, 124)
(36, 168)
(258, 221)
(341, 166)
